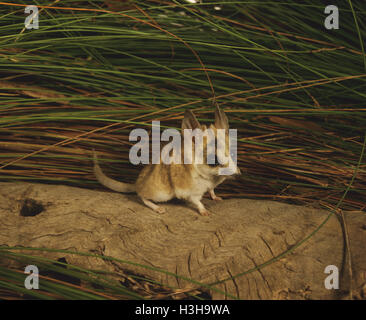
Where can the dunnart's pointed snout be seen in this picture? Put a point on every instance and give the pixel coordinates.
(238, 172)
(230, 173)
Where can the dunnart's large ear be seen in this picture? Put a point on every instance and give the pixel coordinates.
(190, 121)
(221, 120)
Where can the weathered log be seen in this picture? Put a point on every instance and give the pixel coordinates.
(239, 235)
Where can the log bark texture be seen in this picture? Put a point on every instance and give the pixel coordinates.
(239, 235)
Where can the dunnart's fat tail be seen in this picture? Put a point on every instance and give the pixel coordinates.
(108, 182)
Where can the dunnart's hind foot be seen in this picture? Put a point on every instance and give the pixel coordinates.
(160, 210)
(153, 206)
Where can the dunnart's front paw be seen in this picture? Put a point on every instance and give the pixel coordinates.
(216, 198)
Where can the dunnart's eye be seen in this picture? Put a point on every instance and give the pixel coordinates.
(214, 164)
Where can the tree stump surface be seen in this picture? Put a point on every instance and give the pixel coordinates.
(238, 236)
